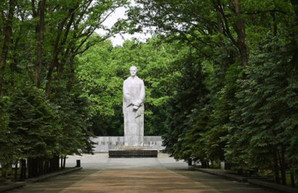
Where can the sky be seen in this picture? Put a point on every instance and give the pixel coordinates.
(118, 39)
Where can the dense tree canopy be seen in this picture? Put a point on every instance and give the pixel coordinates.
(103, 69)
(237, 96)
(43, 113)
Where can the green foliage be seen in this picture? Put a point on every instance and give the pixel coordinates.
(42, 114)
(223, 102)
(74, 115)
(34, 126)
(187, 115)
(266, 110)
(5, 142)
(4, 103)
(247, 114)
(103, 69)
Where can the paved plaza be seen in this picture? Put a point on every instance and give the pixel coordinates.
(136, 175)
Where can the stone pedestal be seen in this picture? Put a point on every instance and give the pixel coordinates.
(133, 152)
(106, 143)
(133, 140)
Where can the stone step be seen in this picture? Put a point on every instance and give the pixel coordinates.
(133, 153)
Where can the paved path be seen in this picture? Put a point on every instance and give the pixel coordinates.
(137, 175)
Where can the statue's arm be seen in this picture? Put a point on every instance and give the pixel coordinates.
(126, 95)
(143, 92)
(141, 99)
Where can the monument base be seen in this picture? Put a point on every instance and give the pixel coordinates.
(133, 152)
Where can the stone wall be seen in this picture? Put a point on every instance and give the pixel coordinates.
(104, 144)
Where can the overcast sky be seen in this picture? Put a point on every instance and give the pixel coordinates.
(118, 39)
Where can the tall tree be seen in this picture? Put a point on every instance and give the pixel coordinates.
(40, 27)
(6, 42)
(39, 44)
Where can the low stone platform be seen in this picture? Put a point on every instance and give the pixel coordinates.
(132, 153)
(106, 143)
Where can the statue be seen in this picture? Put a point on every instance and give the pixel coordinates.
(133, 109)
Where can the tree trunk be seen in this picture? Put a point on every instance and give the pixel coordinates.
(189, 162)
(295, 36)
(276, 168)
(3, 172)
(30, 167)
(23, 169)
(40, 30)
(295, 5)
(71, 14)
(64, 161)
(47, 166)
(57, 49)
(7, 39)
(292, 178)
(274, 23)
(61, 161)
(241, 35)
(16, 170)
(283, 166)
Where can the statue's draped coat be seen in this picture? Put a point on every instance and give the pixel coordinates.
(133, 110)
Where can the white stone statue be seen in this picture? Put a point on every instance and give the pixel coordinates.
(133, 109)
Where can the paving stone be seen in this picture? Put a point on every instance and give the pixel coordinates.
(136, 175)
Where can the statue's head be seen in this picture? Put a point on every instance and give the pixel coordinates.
(133, 71)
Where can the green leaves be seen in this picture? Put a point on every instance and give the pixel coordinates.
(228, 106)
(42, 114)
(103, 69)
(5, 133)
(262, 114)
(33, 130)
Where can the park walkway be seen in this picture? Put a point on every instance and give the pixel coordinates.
(136, 175)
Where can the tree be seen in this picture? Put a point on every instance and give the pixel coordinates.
(103, 69)
(39, 44)
(5, 43)
(5, 142)
(195, 22)
(265, 114)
